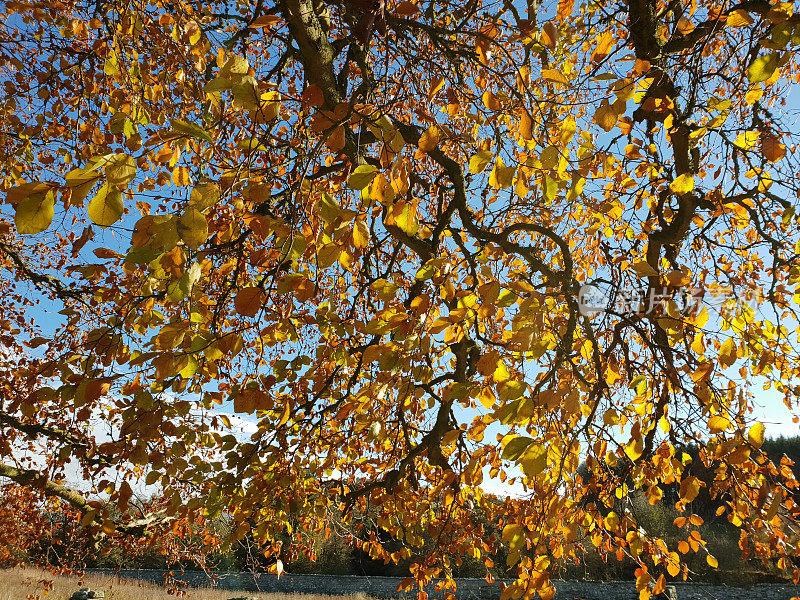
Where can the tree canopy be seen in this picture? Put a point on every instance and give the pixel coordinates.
(367, 227)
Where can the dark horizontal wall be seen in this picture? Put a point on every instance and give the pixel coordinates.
(467, 589)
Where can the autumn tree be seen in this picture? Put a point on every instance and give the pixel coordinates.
(366, 226)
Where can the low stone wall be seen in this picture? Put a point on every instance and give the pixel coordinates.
(467, 589)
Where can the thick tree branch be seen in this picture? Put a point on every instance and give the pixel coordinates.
(37, 480)
(34, 430)
(38, 279)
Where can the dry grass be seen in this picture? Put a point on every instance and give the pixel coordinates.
(19, 584)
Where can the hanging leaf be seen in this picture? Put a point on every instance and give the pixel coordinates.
(34, 213)
(526, 126)
(361, 177)
(605, 116)
(204, 195)
(534, 460)
(763, 67)
(429, 140)
(756, 435)
(501, 176)
(682, 184)
(120, 170)
(193, 228)
(106, 207)
(190, 129)
(248, 301)
(478, 162)
(405, 217)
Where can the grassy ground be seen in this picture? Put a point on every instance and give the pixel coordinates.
(33, 584)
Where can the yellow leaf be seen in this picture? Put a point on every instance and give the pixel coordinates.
(429, 140)
(181, 176)
(120, 169)
(673, 564)
(436, 85)
(718, 423)
(235, 65)
(549, 157)
(555, 76)
(746, 139)
(564, 9)
(490, 101)
(34, 213)
(568, 128)
(762, 67)
(270, 105)
(643, 269)
(382, 190)
(610, 417)
(106, 207)
(549, 35)
(727, 353)
(534, 460)
(739, 18)
(360, 234)
(604, 44)
(361, 177)
(690, 487)
(514, 536)
(204, 195)
(328, 208)
(634, 449)
(487, 397)
(193, 228)
(501, 176)
(756, 435)
(526, 126)
(478, 162)
(15, 195)
(682, 184)
(697, 344)
(712, 562)
(405, 217)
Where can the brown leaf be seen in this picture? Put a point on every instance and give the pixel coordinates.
(248, 301)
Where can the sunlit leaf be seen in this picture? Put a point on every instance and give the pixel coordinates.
(34, 213)
(106, 207)
(361, 177)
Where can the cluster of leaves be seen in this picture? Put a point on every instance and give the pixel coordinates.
(363, 226)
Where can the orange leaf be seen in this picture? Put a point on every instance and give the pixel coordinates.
(313, 96)
(605, 116)
(772, 148)
(604, 44)
(526, 126)
(248, 301)
(660, 586)
(549, 35)
(690, 487)
(406, 9)
(429, 140)
(265, 21)
(125, 493)
(564, 10)
(336, 140)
